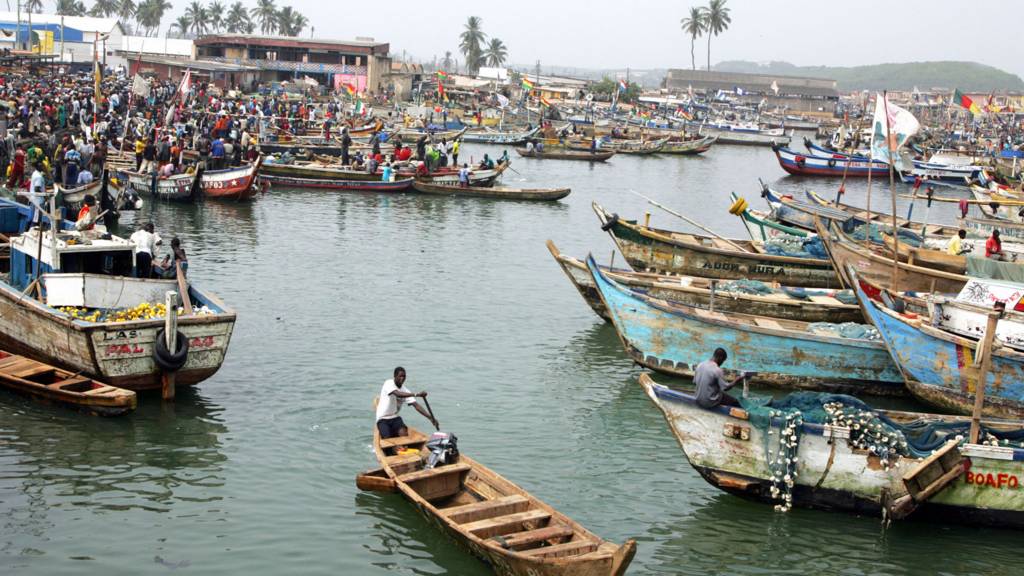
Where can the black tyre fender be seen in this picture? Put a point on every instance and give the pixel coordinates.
(162, 356)
(831, 162)
(610, 223)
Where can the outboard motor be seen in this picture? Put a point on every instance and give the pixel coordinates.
(443, 448)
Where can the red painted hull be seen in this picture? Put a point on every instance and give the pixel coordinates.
(232, 184)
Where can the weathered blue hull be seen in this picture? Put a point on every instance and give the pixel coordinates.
(937, 365)
(673, 339)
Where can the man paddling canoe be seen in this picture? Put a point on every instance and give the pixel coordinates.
(392, 397)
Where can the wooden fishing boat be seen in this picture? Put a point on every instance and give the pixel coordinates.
(400, 185)
(489, 136)
(332, 172)
(496, 192)
(96, 275)
(938, 365)
(70, 389)
(179, 188)
(72, 197)
(635, 147)
(881, 218)
(743, 135)
(799, 164)
(807, 305)
(673, 338)
(688, 146)
(662, 251)
(830, 469)
(502, 524)
(597, 156)
(477, 177)
(433, 135)
(235, 183)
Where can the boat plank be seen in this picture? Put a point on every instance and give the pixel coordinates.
(476, 511)
(574, 548)
(506, 524)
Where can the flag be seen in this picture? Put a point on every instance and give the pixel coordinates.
(623, 86)
(442, 75)
(350, 89)
(775, 87)
(689, 90)
(962, 99)
(891, 128)
(527, 85)
(739, 91)
(186, 82)
(502, 100)
(544, 102)
(440, 91)
(140, 86)
(360, 108)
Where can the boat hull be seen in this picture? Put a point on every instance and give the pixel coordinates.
(232, 183)
(837, 165)
(402, 185)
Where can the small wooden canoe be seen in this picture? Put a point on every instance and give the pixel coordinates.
(400, 185)
(499, 522)
(497, 192)
(47, 383)
(566, 155)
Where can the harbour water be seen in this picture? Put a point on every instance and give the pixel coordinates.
(252, 472)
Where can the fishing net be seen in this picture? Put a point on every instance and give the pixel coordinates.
(907, 237)
(782, 418)
(796, 247)
(845, 296)
(844, 330)
(746, 287)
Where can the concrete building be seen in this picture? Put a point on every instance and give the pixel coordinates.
(70, 38)
(363, 62)
(803, 95)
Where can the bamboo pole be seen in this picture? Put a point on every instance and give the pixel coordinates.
(892, 193)
(983, 359)
(167, 379)
(688, 221)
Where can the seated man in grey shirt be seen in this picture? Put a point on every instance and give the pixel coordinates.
(711, 383)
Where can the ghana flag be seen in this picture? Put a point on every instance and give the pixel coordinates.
(544, 102)
(527, 85)
(966, 102)
(442, 75)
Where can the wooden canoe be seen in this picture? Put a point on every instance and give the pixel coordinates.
(400, 185)
(673, 338)
(233, 183)
(566, 155)
(664, 251)
(690, 146)
(72, 197)
(50, 384)
(499, 522)
(818, 306)
(496, 192)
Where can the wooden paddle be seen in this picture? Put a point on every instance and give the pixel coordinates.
(431, 412)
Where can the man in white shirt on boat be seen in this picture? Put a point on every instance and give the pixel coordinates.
(392, 397)
(37, 192)
(146, 241)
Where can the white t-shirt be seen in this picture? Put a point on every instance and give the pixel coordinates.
(145, 241)
(388, 405)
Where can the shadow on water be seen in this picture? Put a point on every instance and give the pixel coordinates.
(397, 531)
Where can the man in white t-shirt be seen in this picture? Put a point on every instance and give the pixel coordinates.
(392, 397)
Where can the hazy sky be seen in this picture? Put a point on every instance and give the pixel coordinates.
(646, 33)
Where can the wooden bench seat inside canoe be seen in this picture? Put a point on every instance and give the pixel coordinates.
(533, 538)
(574, 548)
(412, 438)
(439, 482)
(508, 523)
(486, 509)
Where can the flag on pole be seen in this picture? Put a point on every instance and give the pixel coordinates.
(775, 87)
(544, 102)
(186, 82)
(360, 109)
(891, 128)
(503, 100)
(964, 101)
(739, 91)
(140, 86)
(527, 85)
(623, 86)
(440, 91)
(442, 75)
(349, 89)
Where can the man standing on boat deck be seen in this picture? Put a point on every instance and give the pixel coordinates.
(711, 383)
(392, 397)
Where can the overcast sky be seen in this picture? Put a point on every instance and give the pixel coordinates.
(646, 33)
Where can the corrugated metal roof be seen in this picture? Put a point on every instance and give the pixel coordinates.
(248, 39)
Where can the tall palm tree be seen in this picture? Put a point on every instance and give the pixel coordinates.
(104, 8)
(716, 21)
(237, 18)
(265, 13)
(125, 11)
(215, 15)
(182, 24)
(290, 22)
(695, 26)
(33, 6)
(470, 42)
(196, 14)
(446, 62)
(150, 13)
(496, 53)
(69, 8)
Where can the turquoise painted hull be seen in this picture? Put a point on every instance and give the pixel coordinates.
(673, 339)
(936, 366)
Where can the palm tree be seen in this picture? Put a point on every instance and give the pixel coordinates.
(215, 15)
(196, 15)
(33, 6)
(716, 21)
(150, 13)
(124, 12)
(470, 42)
(182, 24)
(496, 53)
(446, 62)
(265, 13)
(290, 22)
(69, 8)
(694, 25)
(104, 8)
(237, 18)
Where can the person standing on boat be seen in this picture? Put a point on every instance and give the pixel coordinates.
(145, 240)
(86, 213)
(709, 378)
(346, 141)
(392, 397)
(37, 191)
(456, 144)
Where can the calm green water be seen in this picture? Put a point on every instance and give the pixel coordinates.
(252, 472)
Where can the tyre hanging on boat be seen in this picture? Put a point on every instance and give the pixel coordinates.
(162, 356)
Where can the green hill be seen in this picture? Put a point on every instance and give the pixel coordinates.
(925, 75)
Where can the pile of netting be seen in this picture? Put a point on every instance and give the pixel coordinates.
(782, 419)
(797, 247)
(906, 236)
(758, 288)
(845, 330)
(745, 286)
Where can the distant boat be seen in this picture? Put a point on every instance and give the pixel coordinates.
(585, 156)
